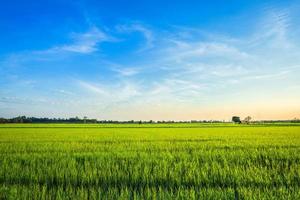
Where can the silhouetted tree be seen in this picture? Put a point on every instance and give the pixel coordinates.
(236, 119)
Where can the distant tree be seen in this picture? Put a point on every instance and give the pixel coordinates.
(247, 120)
(3, 120)
(236, 119)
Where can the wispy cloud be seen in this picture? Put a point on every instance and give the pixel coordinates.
(189, 70)
(63, 92)
(138, 27)
(112, 93)
(84, 42)
(126, 71)
(93, 88)
(270, 76)
(273, 29)
(81, 43)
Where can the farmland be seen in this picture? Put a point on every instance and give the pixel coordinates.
(161, 161)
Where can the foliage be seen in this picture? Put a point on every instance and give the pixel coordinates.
(247, 120)
(236, 119)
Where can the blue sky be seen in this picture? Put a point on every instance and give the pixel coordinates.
(157, 60)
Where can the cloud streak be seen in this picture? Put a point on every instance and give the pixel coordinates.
(83, 43)
(138, 27)
(86, 42)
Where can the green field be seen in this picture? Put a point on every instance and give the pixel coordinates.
(166, 161)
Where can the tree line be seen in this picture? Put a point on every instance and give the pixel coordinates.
(24, 119)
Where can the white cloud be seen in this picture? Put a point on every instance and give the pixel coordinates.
(63, 92)
(273, 30)
(117, 92)
(270, 76)
(126, 71)
(184, 50)
(137, 27)
(93, 88)
(84, 42)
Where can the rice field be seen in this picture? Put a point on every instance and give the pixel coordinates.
(165, 161)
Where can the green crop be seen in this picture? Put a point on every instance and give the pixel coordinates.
(164, 161)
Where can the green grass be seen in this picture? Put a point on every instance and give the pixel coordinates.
(164, 161)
